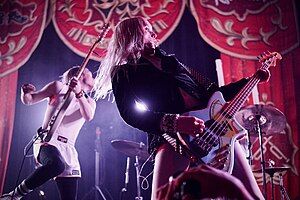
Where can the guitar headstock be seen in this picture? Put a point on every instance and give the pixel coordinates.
(269, 58)
(103, 33)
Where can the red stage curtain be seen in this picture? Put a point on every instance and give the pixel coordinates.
(8, 87)
(281, 91)
(241, 30)
(22, 25)
(79, 28)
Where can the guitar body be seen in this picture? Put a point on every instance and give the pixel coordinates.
(216, 148)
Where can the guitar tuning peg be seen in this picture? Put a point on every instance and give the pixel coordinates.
(266, 54)
(259, 59)
(260, 56)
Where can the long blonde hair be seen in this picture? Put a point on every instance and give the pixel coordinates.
(126, 43)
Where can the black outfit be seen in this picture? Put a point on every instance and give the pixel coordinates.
(159, 90)
(52, 165)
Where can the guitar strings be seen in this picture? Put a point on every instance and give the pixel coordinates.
(227, 112)
(217, 126)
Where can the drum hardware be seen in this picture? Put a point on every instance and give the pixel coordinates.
(131, 149)
(139, 152)
(271, 171)
(283, 191)
(272, 120)
(261, 120)
(99, 163)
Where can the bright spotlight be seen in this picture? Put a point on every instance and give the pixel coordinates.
(140, 106)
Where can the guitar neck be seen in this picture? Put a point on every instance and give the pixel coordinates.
(81, 69)
(235, 105)
(239, 100)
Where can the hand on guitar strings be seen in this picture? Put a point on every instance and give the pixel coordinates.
(203, 182)
(190, 125)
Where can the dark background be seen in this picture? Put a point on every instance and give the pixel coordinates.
(51, 59)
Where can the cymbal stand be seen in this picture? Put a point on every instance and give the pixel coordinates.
(283, 192)
(249, 157)
(262, 158)
(97, 175)
(138, 184)
(125, 188)
(272, 184)
(96, 188)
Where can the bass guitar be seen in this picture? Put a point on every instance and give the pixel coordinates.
(215, 146)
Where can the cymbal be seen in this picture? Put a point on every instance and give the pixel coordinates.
(131, 148)
(272, 170)
(270, 118)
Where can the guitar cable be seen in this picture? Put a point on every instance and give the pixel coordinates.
(40, 132)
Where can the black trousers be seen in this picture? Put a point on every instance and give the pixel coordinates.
(52, 165)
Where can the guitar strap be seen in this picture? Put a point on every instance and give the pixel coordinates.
(201, 81)
(209, 86)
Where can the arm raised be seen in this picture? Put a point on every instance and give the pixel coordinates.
(29, 94)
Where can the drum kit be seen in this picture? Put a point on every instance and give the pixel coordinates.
(258, 120)
(139, 152)
(263, 120)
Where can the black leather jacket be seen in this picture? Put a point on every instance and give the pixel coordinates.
(159, 91)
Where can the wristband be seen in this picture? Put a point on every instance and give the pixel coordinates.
(169, 123)
(79, 94)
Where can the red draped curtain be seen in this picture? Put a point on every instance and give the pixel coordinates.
(242, 30)
(281, 92)
(22, 25)
(8, 88)
(78, 24)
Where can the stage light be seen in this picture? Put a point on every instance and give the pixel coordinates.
(141, 106)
